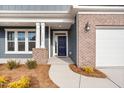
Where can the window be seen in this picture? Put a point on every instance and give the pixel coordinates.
(11, 41)
(31, 40)
(20, 41)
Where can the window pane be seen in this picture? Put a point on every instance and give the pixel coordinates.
(21, 35)
(31, 45)
(31, 36)
(10, 35)
(10, 46)
(21, 46)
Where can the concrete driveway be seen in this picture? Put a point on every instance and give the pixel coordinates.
(115, 74)
(89, 82)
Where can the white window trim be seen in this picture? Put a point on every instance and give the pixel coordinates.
(16, 41)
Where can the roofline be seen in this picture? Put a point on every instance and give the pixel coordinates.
(39, 11)
(73, 10)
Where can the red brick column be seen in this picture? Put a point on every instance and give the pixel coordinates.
(40, 55)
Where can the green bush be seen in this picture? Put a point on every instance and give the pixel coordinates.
(11, 64)
(23, 82)
(31, 64)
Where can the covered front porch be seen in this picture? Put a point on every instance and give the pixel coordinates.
(37, 36)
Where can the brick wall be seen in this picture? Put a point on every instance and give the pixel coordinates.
(40, 55)
(86, 41)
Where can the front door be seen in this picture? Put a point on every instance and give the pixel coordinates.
(61, 45)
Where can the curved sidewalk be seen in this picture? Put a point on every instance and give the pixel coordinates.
(65, 78)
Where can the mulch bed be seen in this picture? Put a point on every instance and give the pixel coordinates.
(39, 76)
(96, 73)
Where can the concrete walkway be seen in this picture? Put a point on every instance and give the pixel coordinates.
(60, 61)
(64, 77)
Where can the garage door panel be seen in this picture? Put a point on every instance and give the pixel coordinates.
(110, 47)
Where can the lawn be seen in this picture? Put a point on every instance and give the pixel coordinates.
(39, 76)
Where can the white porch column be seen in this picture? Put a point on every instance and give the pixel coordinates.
(37, 35)
(42, 35)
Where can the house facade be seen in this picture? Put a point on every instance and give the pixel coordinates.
(89, 35)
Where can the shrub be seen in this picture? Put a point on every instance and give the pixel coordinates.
(12, 64)
(3, 80)
(24, 82)
(31, 64)
(88, 69)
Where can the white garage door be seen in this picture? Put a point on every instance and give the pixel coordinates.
(110, 47)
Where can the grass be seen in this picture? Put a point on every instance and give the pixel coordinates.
(96, 73)
(39, 76)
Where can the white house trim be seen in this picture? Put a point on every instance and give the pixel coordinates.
(16, 42)
(6, 44)
(54, 36)
(49, 43)
(18, 52)
(16, 29)
(42, 35)
(100, 12)
(37, 35)
(30, 12)
(26, 42)
(115, 8)
(115, 27)
(50, 20)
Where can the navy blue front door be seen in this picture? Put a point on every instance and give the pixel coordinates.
(61, 45)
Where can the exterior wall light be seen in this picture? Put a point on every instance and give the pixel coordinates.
(87, 27)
